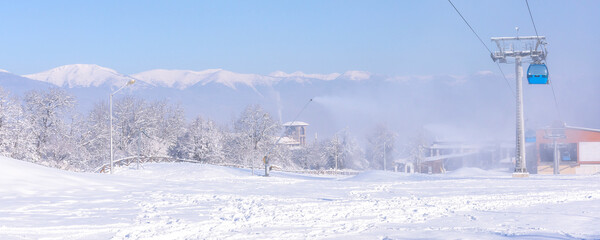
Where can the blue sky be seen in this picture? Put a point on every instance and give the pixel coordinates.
(383, 37)
(409, 39)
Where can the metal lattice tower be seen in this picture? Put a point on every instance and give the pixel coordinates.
(530, 49)
(556, 132)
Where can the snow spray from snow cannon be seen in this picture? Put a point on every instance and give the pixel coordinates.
(266, 157)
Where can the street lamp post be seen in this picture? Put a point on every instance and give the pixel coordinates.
(132, 81)
(384, 167)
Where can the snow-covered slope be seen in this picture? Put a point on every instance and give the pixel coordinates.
(80, 75)
(201, 201)
(31, 179)
(18, 85)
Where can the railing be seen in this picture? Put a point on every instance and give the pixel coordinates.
(325, 172)
(126, 161)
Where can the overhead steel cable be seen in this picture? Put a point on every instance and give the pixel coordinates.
(555, 101)
(534, 27)
(551, 85)
(531, 16)
(486, 47)
(463, 18)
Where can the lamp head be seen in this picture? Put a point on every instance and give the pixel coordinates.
(132, 81)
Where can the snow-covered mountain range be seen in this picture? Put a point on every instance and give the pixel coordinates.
(352, 98)
(92, 75)
(214, 93)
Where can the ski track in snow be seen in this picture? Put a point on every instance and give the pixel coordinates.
(188, 201)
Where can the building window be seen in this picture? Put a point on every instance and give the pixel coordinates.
(567, 152)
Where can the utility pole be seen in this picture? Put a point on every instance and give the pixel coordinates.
(132, 81)
(384, 169)
(556, 163)
(139, 148)
(520, 48)
(337, 146)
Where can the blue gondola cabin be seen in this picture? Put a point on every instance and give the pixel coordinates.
(537, 74)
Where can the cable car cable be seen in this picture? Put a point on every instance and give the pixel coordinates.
(555, 101)
(463, 18)
(551, 85)
(506, 80)
(486, 47)
(531, 16)
(534, 27)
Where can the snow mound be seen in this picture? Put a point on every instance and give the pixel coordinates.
(18, 176)
(183, 171)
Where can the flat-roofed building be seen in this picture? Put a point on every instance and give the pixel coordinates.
(578, 150)
(295, 131)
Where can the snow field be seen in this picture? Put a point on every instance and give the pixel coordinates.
(193, 201)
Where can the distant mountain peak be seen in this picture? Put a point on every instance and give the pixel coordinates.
(298, 75)
(230, 79)
(182, 79)
(356, 75)
(179, 79)
(80, 75)
(4, 71)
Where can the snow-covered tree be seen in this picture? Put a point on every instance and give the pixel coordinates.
(415, 146)
(156, 125)
(380, 145)
(343, 151)
(312, 156)
(16, 140)
(202, 141)
(48, 112)
(281, 156)
(171, 124)
(94, 137)
(9, 112)
(250, 138)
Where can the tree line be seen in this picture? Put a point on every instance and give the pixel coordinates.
(43, 127)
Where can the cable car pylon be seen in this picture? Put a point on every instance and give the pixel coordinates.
(531, 49)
